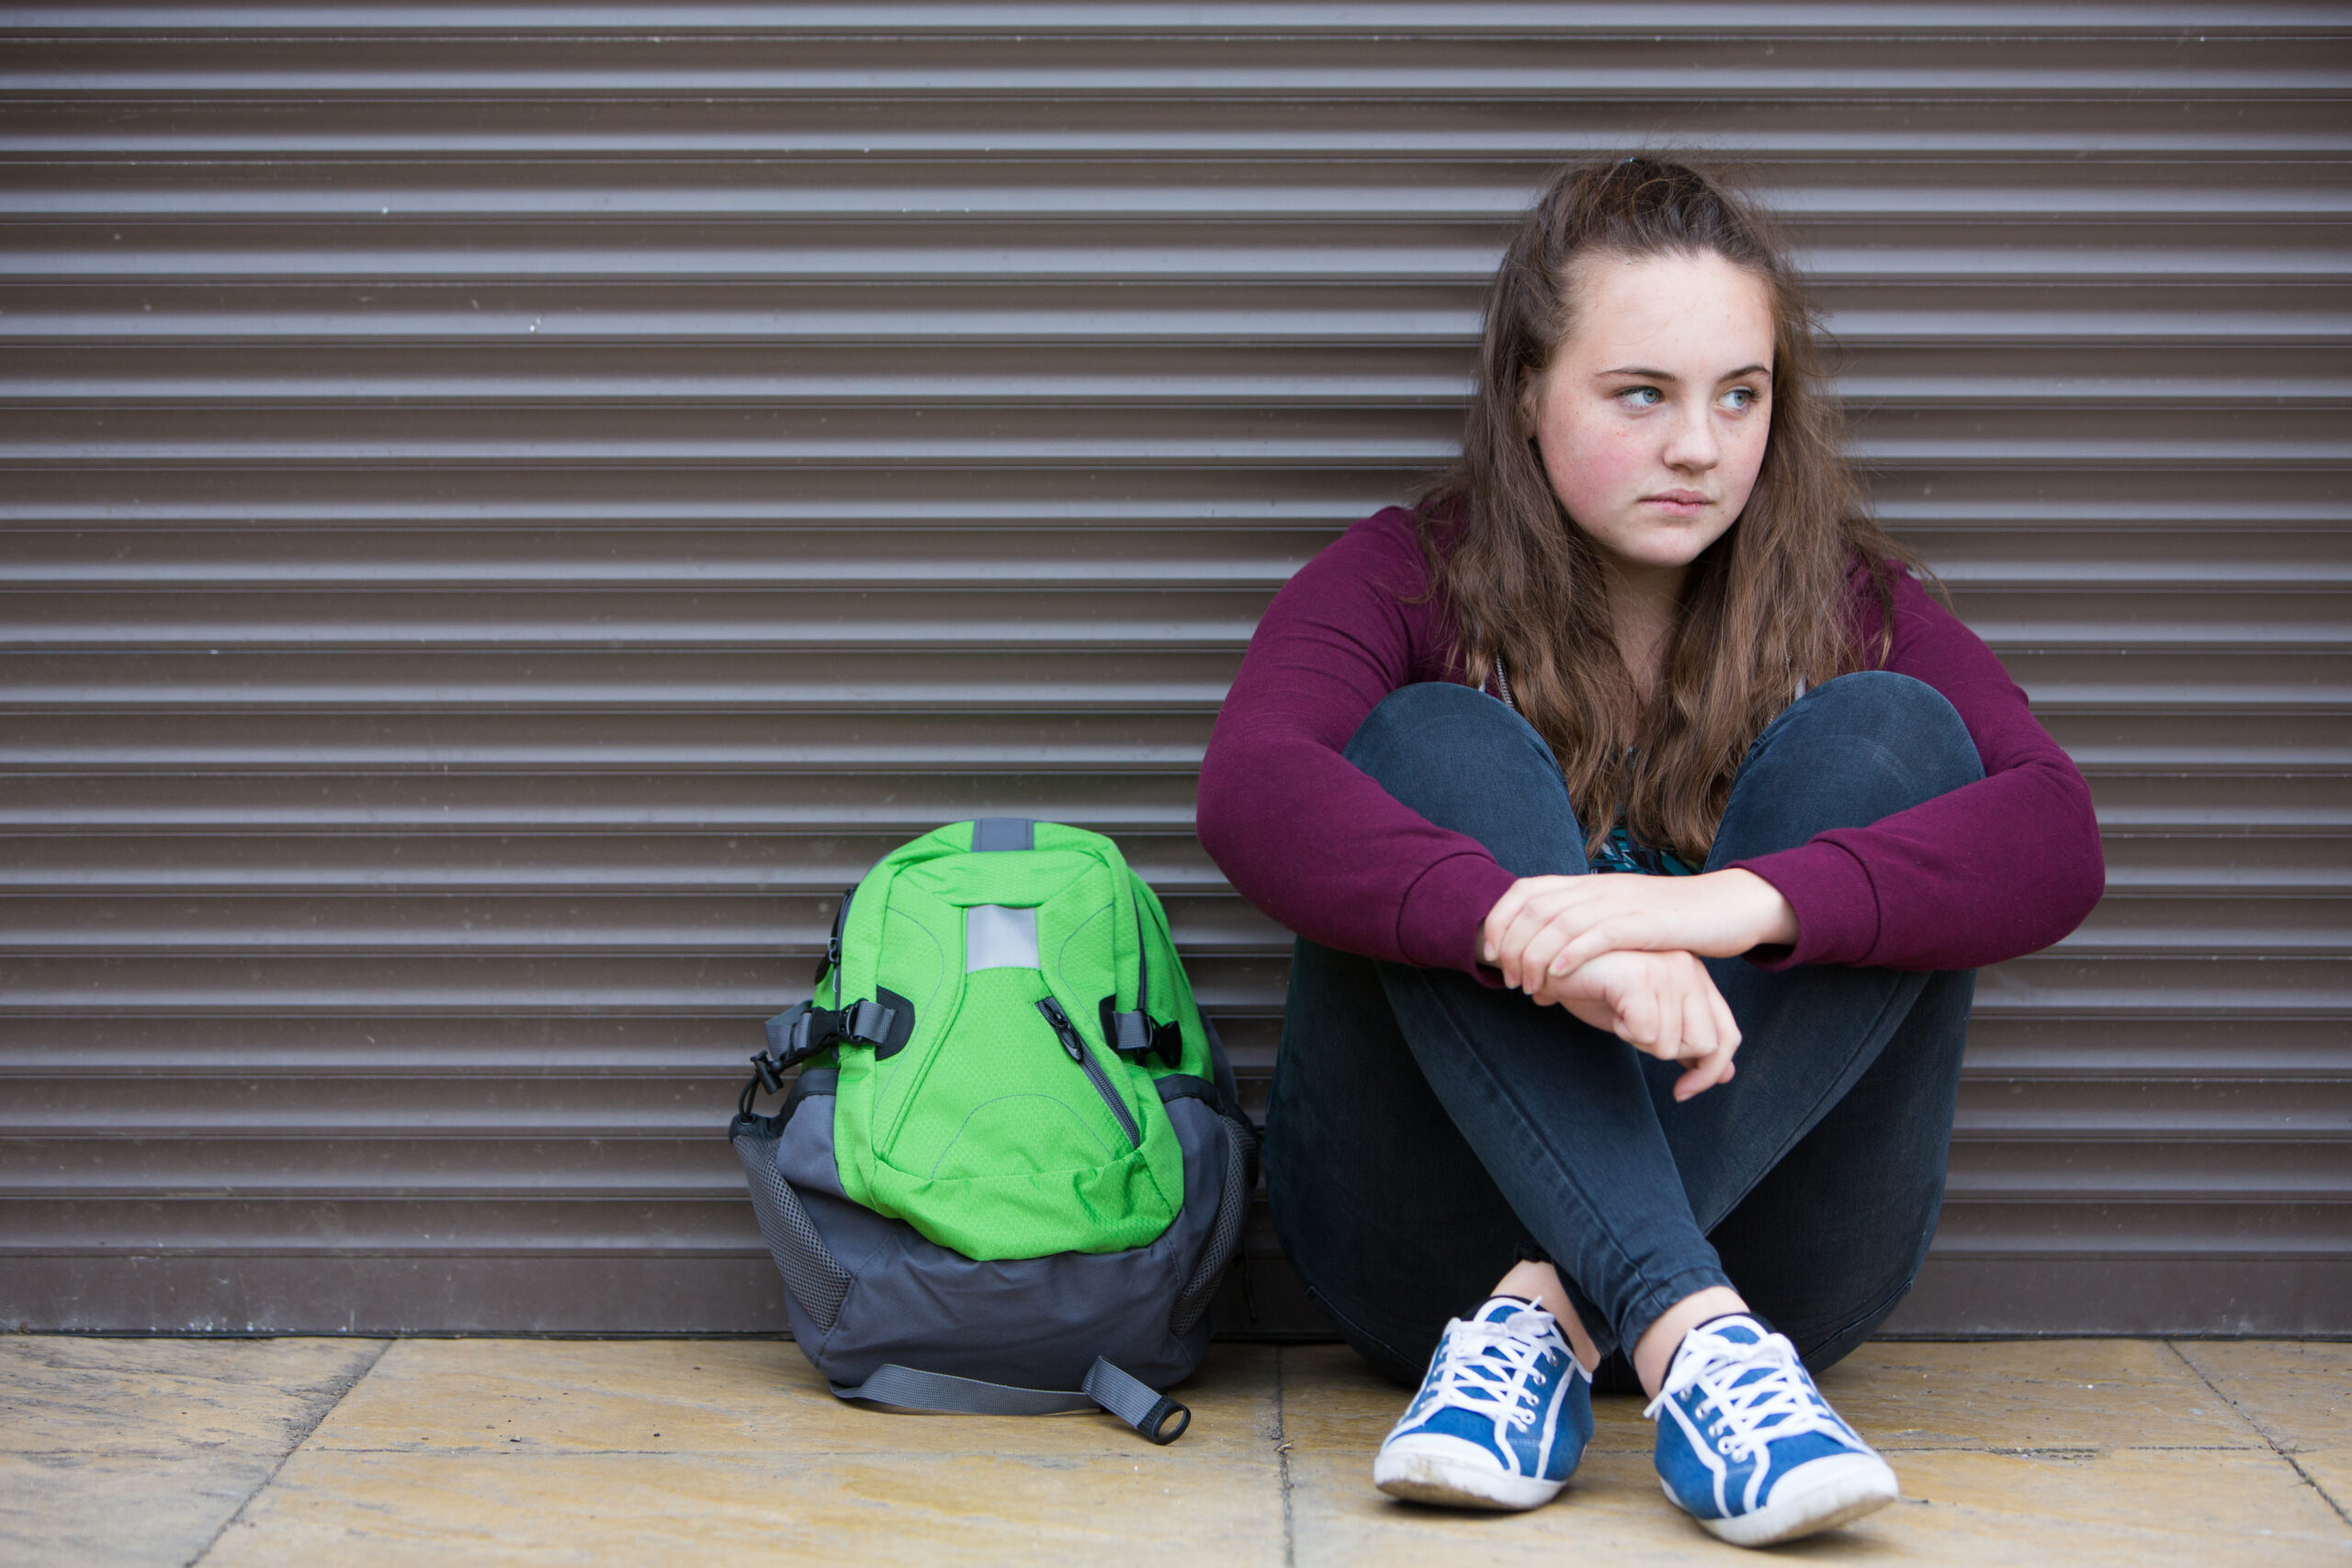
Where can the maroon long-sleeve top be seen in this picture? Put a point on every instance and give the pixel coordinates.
(1999, 868)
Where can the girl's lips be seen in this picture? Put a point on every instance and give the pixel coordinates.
(1680, 500)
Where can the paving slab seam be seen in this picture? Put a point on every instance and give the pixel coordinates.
(1282, 1454)
(2239, 1410)
(2075, 1450)
(327, 1409)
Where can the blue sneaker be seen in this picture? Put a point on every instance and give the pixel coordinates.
(1501, 1418)
(1748, 1447)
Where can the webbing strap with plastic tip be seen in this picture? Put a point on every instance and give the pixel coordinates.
(1129, 1398)
(1136, 1402)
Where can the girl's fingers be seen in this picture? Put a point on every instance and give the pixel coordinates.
(1614, 919)
(1730, 1025)
(1637, 1018)
(1495, 946)
(1490, 946)
(1510, 944)
(1514, 946)
(1623, 930)
(1527, 944)
(1668, 1047)
(1526, 905)
(1715, 1067)
(1535, 960)
(1700, 1035)
(1708, 1073)
(1705, 1075)
(1527, 890)
(1502, 951)
(1587, 945)
(1706, 1066)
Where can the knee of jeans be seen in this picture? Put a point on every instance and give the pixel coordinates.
(1401, 1366)
(1827, 1340)
(1439, 719)
(1911, 719)
(1824, 1348)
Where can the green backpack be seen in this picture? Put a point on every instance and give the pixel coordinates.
(1034, 1158)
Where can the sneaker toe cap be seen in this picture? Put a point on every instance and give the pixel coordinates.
(1820, 1495)
(1430, 1467)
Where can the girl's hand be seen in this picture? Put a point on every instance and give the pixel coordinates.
(1662, 1003)
(1547, 927)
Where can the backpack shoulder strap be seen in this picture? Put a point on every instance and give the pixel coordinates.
(1133, 1401)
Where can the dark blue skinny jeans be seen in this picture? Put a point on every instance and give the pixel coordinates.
(1425, 1129)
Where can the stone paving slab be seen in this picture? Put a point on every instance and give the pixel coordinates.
(2028, 1396)
(127, 1451)
(238, 1452)
(650, 1451)
(2298, 1397)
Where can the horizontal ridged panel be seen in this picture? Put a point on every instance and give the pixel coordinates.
(505, 518)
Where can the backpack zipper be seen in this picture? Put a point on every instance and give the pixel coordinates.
(1071, 1044)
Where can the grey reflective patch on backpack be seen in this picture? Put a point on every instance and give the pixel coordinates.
(991, 833)
(996, 937)
(1034, 1321)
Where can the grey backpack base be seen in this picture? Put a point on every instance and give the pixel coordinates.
(889, 1316)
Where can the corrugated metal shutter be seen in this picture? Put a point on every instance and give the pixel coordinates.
(510, 508)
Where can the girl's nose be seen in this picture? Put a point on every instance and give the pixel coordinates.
(1693, 444)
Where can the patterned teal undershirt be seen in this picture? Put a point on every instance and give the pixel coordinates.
(1619, 852)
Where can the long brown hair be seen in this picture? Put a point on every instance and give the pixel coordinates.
(1763, 607)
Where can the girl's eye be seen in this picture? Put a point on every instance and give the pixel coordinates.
(1741, 399)
(1642, 397)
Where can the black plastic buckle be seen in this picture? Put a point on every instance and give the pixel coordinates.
(1138, 1033)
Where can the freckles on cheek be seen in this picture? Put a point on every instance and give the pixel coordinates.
(1751, 457)
(1593, 470)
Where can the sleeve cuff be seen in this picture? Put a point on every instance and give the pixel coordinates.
(1437, 924)
(1836, 906)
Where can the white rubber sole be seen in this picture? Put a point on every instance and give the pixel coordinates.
(1835, 1492)
(1449, 1473)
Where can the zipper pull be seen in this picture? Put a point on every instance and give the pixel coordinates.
(1092, 1068)
(1063, 1029)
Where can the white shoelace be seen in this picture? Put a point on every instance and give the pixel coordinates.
(1468, 1379)
(1779, 1403)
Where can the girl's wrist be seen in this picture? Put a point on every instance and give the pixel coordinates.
(1767, 918)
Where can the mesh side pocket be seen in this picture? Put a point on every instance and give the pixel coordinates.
(1232, 1208)
(816, 1282)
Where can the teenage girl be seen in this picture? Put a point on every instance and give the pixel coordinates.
(1643, 822)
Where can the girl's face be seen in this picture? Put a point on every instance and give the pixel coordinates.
(1651, 417)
